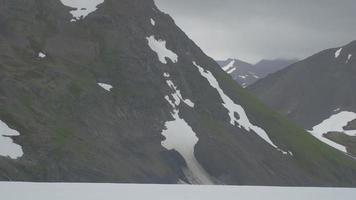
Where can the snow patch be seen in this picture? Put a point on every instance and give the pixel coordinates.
(254, 75)
(179, 136)
(82, 7)
(243, 77)
(159, 46)
(42, 55)
(177, 96)
(7, 145)
(153, 22)
(348, 58)
(290, 153)
(231, 70)
(334, 123)
(229, 65)
(338, 52)
(233, 109)
(337, 109)
(105, 86)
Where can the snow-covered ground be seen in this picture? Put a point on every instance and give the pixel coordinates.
(7, 146)
(233, 108)
(159, 46)
(82, 8)
(334, 123)
(67, 191)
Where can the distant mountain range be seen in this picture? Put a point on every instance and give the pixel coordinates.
(318, 93)
(246, 74)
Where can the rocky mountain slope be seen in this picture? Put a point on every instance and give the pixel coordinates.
(114, 91)
(266, 67)
(318, 94)
(246, 74)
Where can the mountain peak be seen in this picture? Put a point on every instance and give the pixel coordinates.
(312, 90)
(121, 94)
(246, 74)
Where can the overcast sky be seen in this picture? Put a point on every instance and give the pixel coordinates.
(256, 29)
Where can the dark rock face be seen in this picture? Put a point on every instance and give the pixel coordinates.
(73, 130)
(247, 74)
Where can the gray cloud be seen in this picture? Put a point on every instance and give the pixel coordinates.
(256, 29)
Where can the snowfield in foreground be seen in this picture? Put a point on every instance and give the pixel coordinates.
(67, 191)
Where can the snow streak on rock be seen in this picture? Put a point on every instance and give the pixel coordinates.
(42, 55)
(338, 52)
(177, 96)
(153, 22)
(233, 108)
(243, 77)
(348, 58)
(7, 146)
(105, 86)
(254, 75)
(159, 46)
(335, 123)
(232, 70)
(179, 136)
(229, 66)
(82, 7)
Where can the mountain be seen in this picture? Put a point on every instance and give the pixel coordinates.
(246, 74)
(267, 67)
(318, 94)
(113, 91)
(239, 70)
